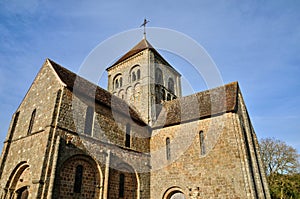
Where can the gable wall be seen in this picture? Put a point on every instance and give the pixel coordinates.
(21, 147)
(220, 173)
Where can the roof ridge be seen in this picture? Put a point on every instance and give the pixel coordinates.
(84, 86)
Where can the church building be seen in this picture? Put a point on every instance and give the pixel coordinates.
(139, 139)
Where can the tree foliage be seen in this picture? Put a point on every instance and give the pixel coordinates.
(281, 163)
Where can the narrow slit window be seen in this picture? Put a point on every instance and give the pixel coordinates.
(168, 149)
(202, 143)
(89, 117)
(16, 118)
(122, 185)
(127, 136)
(31, 122)
(78, 179)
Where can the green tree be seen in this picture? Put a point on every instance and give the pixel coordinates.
(281, 163)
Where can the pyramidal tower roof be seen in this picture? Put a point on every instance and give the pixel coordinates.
(142, 45)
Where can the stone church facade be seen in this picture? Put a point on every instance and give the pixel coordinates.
(140, 139)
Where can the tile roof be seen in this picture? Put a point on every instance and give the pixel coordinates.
(200, 105)
(193, 107)
(142, 45)
(80, 85)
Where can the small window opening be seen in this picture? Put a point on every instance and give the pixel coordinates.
(202, 143)
(138, 74)
(89, 117)
(168, 149)
(16, 118)
(117, 83)
(122, 185)
(31, 122)
(78, 179)
(133, 76)
(171, 85)
(127, 136)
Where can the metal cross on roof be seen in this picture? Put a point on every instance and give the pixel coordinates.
(144, 24)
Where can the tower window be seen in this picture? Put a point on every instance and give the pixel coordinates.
(31, 122)
(133, 76)
(78, 179)
(163, 94)
(168, 149)
(118, 81)
(171, 85)
(127, 136)
(89, 117)
(168, 97)
(158, 76)
(138, 73)
(121, 185)
(121, 82)
(202, 143)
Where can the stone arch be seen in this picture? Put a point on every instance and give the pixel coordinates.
(129, 94)
(117, 81)
(134, 73)
(137, 92)
(121, 94)
(19, 181)
(171, 85)
(174, 193)
(159, 76)
(128, 188)
(91, 178)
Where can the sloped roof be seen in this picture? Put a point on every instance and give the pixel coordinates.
(142, 45)
(200, 105)
(82, 86)
(193, 107)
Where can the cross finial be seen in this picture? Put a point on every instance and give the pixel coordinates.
(144, 24)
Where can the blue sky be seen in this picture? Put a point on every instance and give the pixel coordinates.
(256, 43)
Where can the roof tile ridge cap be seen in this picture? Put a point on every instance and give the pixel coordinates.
(49, 62)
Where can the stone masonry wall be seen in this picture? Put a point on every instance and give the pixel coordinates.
(31, 148)
(219, 173)
(107, 139)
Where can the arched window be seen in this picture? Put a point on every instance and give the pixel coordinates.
(202, 143)
(158, 76)
(121, 185)
(171, 85)
(163, 94)
(89, 117)
(168, 97)
(133, 76)
(121, 81)
(31, 122)
(78, 179)
(118, 81)
(168, 149)
(127, 136)
(138, 73)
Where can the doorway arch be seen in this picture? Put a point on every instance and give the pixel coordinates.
(174, 193)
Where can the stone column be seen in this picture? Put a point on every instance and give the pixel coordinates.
(106, 176)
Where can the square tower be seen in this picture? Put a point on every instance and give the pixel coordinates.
(144, 79)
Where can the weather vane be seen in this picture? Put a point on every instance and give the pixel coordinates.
(144, 24)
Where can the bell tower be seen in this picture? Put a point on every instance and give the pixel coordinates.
(144, 79)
